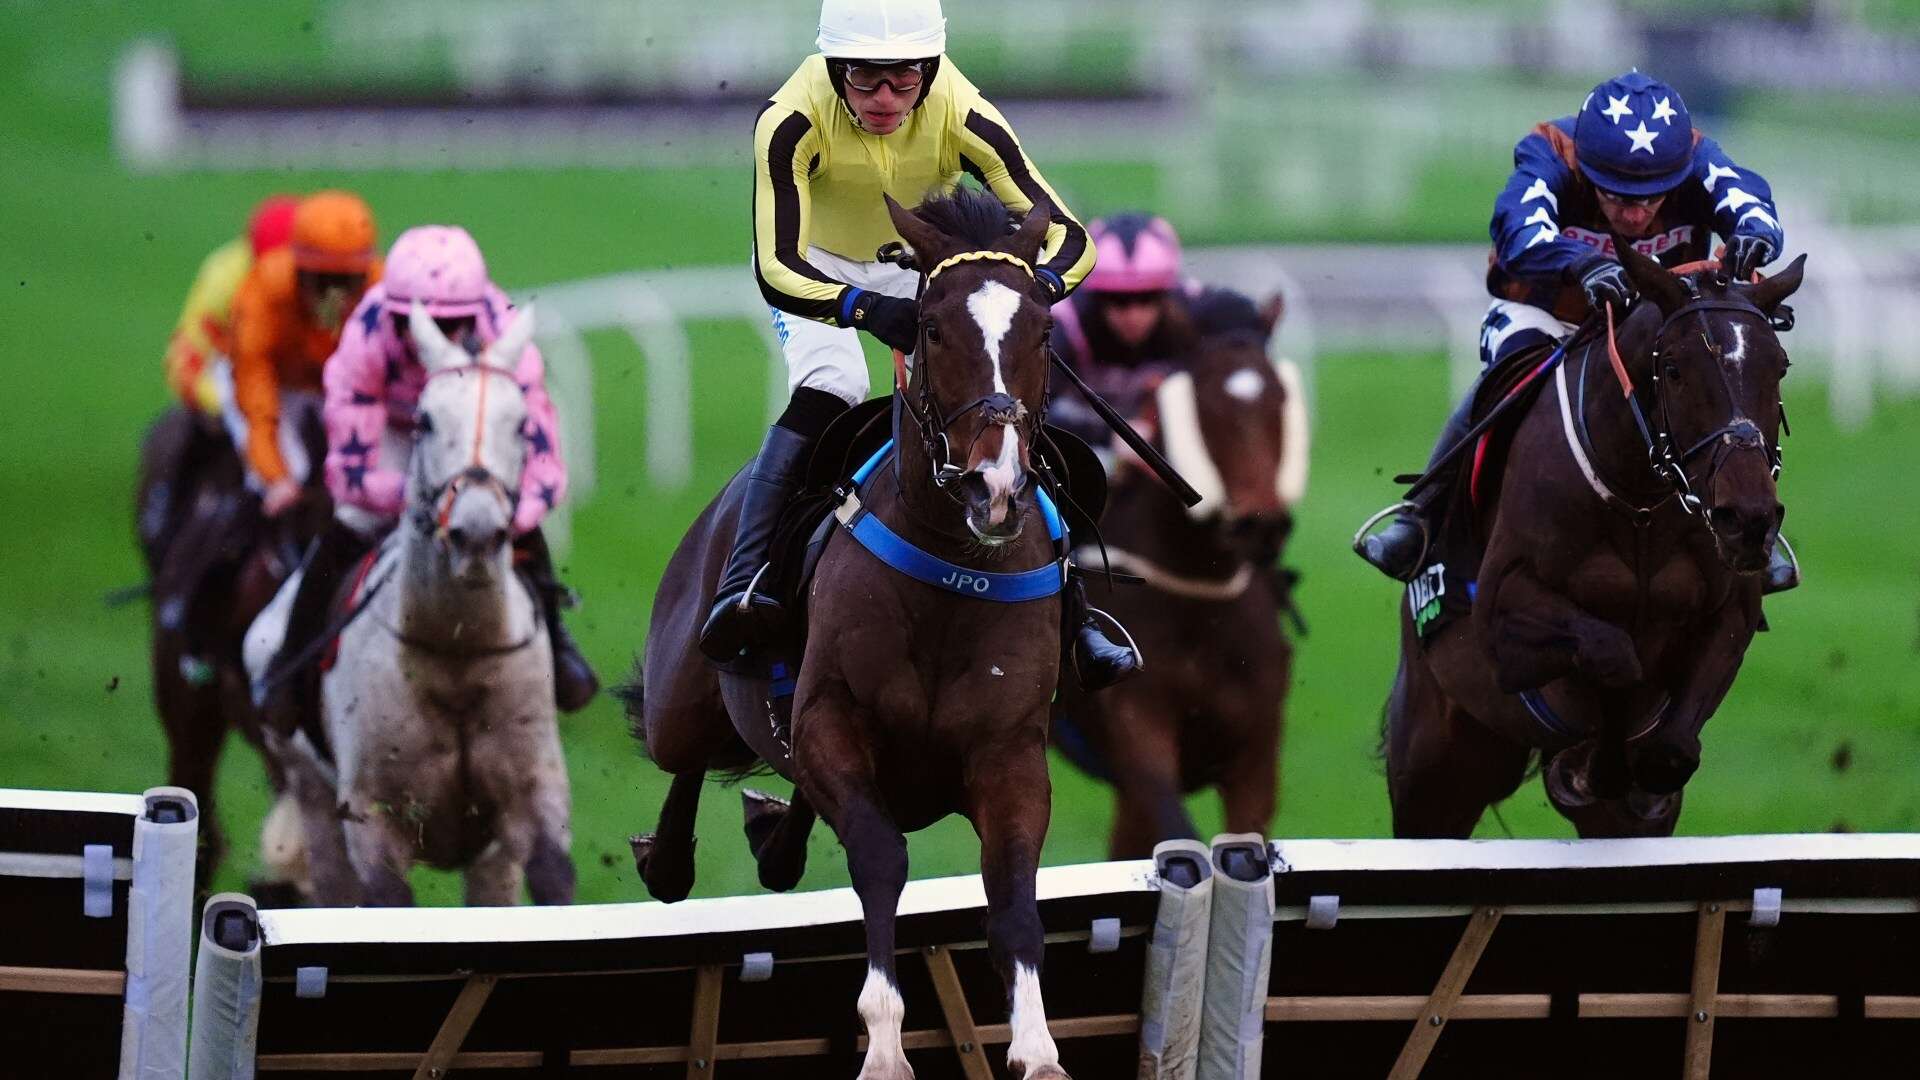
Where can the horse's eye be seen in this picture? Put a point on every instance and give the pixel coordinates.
(933, 333)
(1673, 371)
(423, 424)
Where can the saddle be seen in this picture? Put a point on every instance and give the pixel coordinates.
(1444, 589)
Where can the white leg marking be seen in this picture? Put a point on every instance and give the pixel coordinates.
(1032, 1047)
(993, 306)
(882, 1009)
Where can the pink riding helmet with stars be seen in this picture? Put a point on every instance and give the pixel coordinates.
(1133, 253)
(373, 380)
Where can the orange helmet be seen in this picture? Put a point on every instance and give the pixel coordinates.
(333, 234)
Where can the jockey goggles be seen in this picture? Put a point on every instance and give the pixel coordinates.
(1631, 202)
(1130, 299)
(900, 78)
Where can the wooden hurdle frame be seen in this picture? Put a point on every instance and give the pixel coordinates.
(1480, 888)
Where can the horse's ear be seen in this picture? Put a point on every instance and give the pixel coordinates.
(507, 348)
(432, 346)
(1271, 312)
(1768, 294)
(1031, 236)
(1652, 279)
(929, 244)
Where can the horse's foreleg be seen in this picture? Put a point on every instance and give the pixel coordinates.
(312, 857)
(1144, 745)
(1011, 800)
(1538, 635)
(380, 845)
(1250, 788)
(835, 769)
(1663, 758)
(196, 731)
(550, 873)
(664, 857)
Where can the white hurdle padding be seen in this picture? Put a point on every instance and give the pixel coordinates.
(1766, 908)
(1172, 991)
(1239, 957)
(226, 991)
(153, 1031)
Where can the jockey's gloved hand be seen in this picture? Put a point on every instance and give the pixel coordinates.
(1605, 282)
(894, 321)
(1048, 285)
(1745, 254)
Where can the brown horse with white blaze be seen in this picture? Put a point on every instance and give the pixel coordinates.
(912, 701)
(1614, 601)
(1205, 711)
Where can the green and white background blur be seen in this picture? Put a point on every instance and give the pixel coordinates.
(1345, 151)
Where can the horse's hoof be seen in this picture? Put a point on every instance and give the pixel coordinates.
(761, 813)
(1566, 780)
(1044, 1072)
(276, 894)
(667, 875)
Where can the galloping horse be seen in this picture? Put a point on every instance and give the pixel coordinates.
(215, 562)
(1614, 601)
(914, 700)
(439, 708)
(1205, 710)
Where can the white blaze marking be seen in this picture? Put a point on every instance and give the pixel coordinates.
(1032, 1046)
(1739, 351)
(1245, 385)
(882, 1009)
(993, 306)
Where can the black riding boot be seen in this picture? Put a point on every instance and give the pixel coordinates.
(745, 614)
(292, 680)
(574, 683)
(1099, 662)
(1397, 550)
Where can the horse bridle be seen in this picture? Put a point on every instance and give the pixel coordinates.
(435, 511)
(1738, 433)
(995, 408)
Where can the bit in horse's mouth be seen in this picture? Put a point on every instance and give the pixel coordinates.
(991, 539)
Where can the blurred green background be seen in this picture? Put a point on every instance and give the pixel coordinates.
(1820, 731)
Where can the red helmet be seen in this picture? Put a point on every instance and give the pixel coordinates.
(1134, 253)
(271, 225)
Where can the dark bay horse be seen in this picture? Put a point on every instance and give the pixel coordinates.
(914, 700)
(1615, 601)
(1205, 710)
(215, 562)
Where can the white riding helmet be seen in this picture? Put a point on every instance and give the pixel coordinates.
(882, 29)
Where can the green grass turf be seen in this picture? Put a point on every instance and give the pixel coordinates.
(93, 263)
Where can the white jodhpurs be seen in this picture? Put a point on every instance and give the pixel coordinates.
(829, 358)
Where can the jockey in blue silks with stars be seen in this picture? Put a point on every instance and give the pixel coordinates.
(1630, 163)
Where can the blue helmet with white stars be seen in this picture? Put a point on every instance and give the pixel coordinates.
(1633, 136)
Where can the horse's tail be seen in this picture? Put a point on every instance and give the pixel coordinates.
(632, 695)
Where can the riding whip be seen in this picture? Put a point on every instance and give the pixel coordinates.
(1138, 443)
(1445, 460)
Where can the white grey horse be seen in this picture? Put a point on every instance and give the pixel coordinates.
(439, 707)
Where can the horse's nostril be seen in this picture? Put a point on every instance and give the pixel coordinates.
(1724, 517)
(457, 536)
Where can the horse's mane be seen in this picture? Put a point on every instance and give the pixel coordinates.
(974, 215)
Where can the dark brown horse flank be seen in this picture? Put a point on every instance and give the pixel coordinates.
(211, 578)
(911, 703)
(1619, 587)
(1206, 709)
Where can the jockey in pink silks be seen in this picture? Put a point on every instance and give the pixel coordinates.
(373, 381)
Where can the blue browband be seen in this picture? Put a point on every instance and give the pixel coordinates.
(888, 546)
